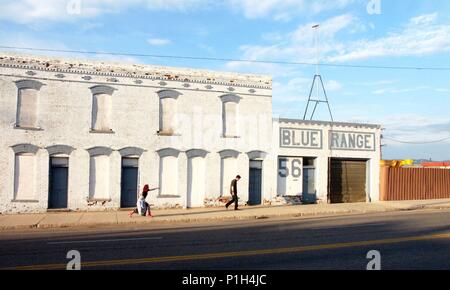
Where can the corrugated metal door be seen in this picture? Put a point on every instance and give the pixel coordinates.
(347, 181)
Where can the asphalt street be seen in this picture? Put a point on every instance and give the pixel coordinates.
(405, 240)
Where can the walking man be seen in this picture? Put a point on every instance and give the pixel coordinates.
(234, 193)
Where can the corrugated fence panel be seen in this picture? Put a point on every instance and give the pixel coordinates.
(414, 183)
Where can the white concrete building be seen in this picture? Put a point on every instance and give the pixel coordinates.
(84, 135)
(88, 136)
(327, 162)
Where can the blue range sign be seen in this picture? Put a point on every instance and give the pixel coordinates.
(300, 138)
(353, 141)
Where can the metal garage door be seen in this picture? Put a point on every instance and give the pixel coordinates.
(347, 181)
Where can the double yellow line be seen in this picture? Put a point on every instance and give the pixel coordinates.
(299, 249)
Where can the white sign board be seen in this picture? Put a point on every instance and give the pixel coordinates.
(300, 138)
(352, 141)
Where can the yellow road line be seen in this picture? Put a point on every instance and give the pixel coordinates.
(235, 254)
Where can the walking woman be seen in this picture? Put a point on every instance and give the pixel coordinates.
(143, 208)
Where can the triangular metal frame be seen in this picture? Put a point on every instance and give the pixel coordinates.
(317, 101)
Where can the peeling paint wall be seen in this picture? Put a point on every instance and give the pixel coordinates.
(65, 117)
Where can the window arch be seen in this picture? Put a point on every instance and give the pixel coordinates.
(60, 149)
(168, 109)
(230, 108)
(27, 103)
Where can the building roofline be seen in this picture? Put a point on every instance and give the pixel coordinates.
(327, 123)
(131, 70)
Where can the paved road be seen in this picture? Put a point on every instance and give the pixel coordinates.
(406, 240)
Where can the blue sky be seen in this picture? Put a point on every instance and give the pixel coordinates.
(412, 105)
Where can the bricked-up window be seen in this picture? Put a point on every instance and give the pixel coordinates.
(228, 169)
(99, 178)
(25, 176)
(168, 172)
(101, 108)
(168, 109)
(99, 173)
(27, 103)
(230, 106)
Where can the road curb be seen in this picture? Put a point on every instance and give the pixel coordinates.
(138, 221)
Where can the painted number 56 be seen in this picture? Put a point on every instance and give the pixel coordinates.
(296, 168)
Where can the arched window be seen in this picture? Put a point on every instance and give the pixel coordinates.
(168, 172)
(101, 108)
(27, 103)
(168, 111)
(25, 166)
(99, 173)
(230, 115)
(228, 168)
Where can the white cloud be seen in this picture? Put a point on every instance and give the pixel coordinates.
(30, 11)
(422, 35)
(409, 90)
(158, 41)
(405, 127)
(284, 10)
(333, 86)
(298, 45)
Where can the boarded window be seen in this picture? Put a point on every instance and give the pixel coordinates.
(229, 172)
(167, 118)
(25, 177)
(230, 119)
(196, 182)
(169, 175)
(101, 112)
(99, 178)
(27, 108)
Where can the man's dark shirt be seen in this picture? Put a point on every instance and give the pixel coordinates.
(234, 187)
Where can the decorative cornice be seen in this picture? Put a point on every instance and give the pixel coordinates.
(168, 152)
(29, 84)
(131, 151)
(325, 123)
(107, 90)
(97, 151)
(229, 154)
(25, 148)
(141, 72)
(196, 153)
(60, 149)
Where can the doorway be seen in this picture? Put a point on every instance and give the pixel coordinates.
(255, 183)
(309, 181)
(58, 183)
(348, 181)
(129, 185)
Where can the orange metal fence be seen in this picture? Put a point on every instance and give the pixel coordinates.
(414, 183)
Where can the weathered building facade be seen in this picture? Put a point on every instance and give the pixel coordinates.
(87, 136)
(83, 135)
(327, 162)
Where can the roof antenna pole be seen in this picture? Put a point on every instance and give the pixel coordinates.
(317, 81)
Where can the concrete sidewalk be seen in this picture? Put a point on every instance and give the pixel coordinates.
(91, 219)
